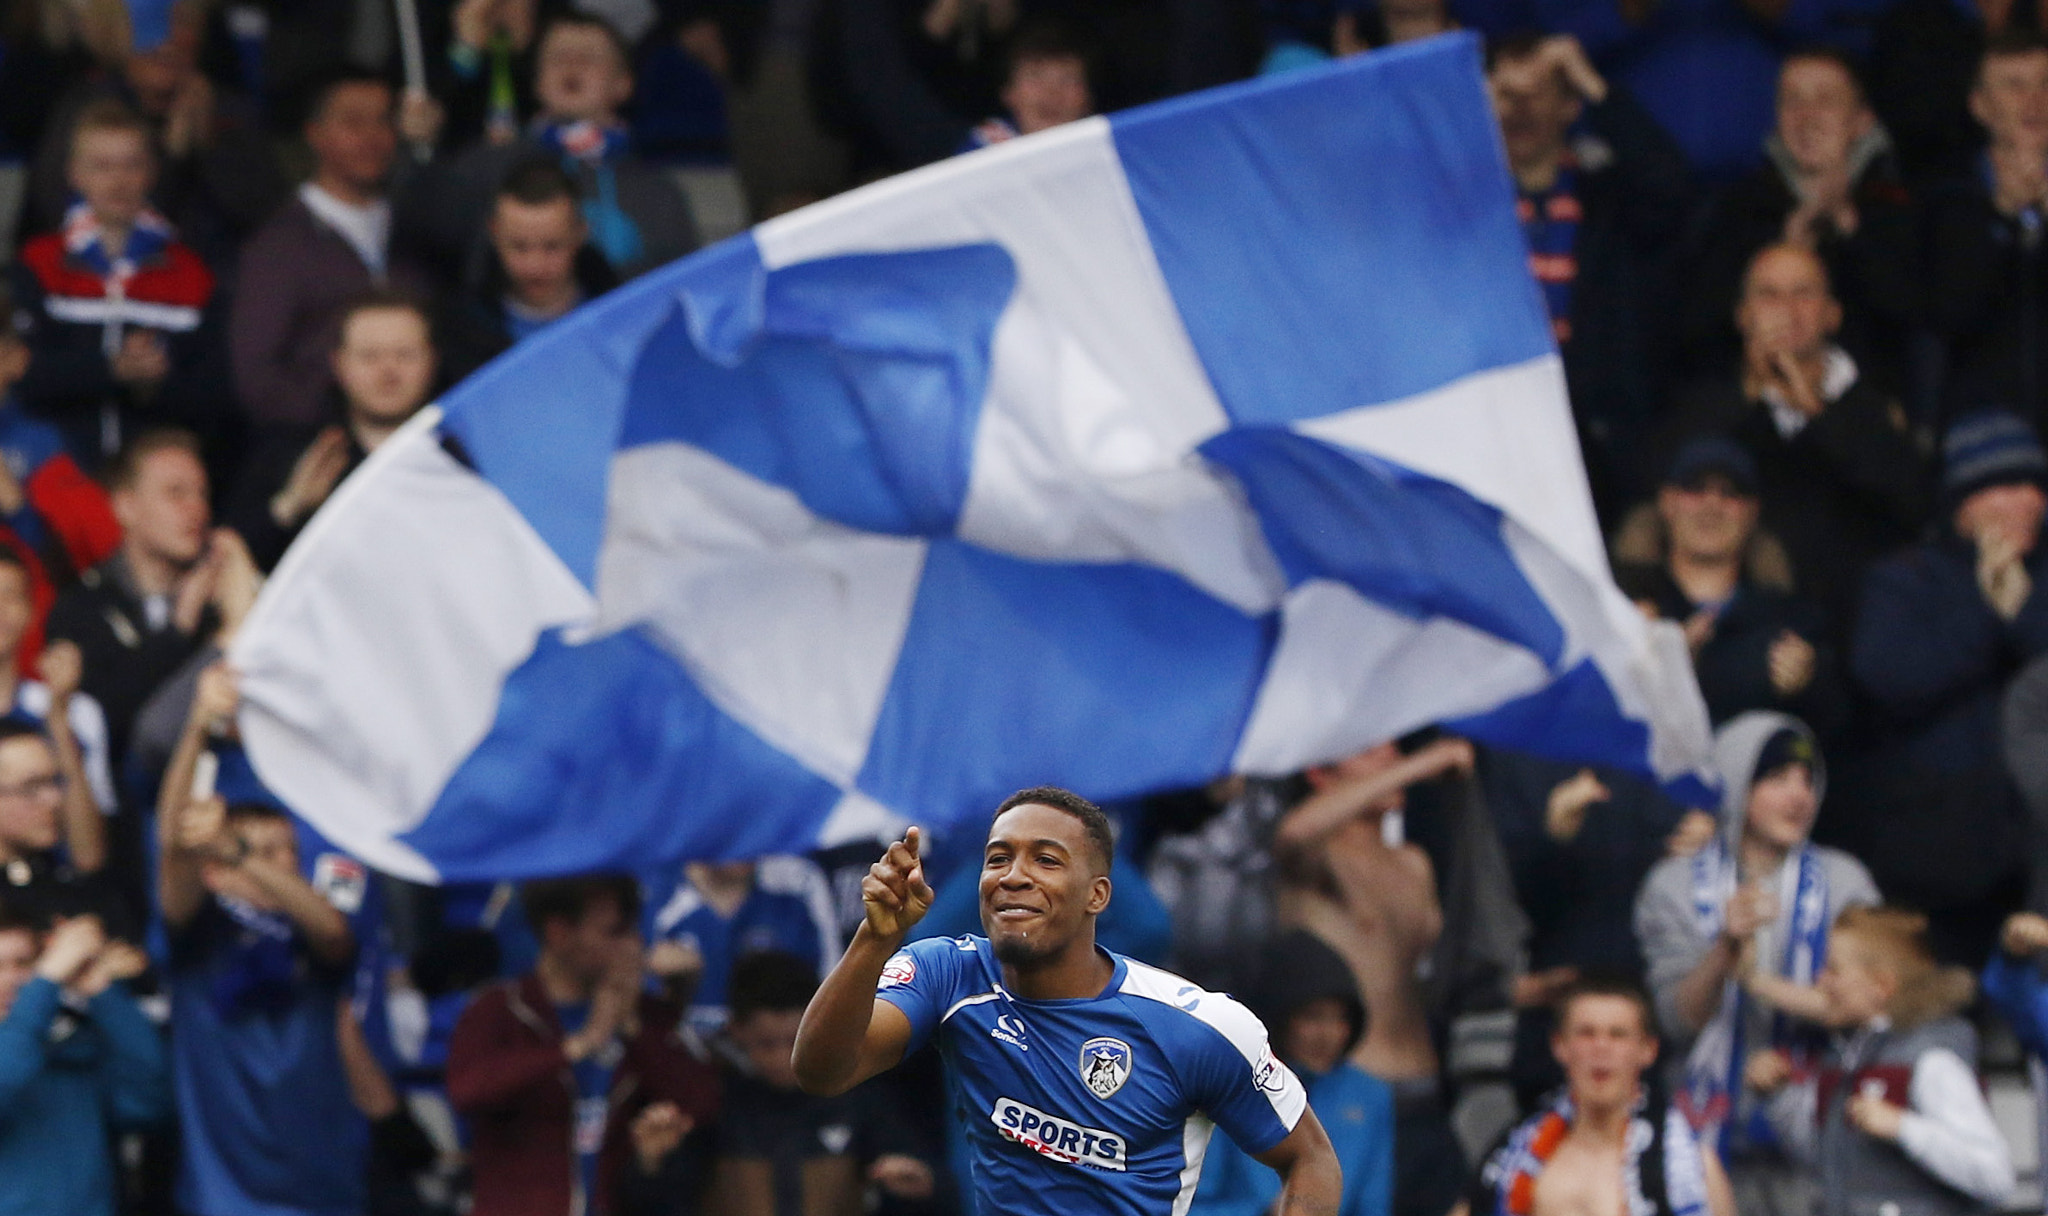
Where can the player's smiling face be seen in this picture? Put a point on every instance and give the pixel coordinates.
(1041, 884)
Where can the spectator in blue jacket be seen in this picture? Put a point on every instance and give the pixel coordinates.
(77, 1058)
(1944, 627)
(1313, 1010)
(2013, 983)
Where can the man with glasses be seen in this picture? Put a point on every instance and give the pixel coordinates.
(52, 837)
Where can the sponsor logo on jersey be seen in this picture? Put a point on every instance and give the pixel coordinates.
(1271, 1074)
(1105, 1066)
(1062, 1140)
(900, 969)
(1009, 1030)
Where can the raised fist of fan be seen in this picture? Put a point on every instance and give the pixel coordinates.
(895, 895)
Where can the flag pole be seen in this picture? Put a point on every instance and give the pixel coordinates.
(414, 58)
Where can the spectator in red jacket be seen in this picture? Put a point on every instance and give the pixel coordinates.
(553, 1069)
(53, 517)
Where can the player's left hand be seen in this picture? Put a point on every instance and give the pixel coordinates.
(895, 895)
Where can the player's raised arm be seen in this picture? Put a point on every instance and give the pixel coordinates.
(1312, 1181)
(847, 1034)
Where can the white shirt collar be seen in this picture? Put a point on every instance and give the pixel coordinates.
(366, 227)
(1835, 380)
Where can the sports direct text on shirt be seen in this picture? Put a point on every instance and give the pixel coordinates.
(1060, 1139)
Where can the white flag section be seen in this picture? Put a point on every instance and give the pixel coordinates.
(1222, 435)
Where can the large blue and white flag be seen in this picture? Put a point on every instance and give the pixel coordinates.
(1224, 435)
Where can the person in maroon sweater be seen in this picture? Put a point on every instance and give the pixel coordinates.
(572, 1073)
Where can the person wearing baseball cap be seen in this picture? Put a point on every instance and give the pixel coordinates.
(1944, 627)
(1755, 644)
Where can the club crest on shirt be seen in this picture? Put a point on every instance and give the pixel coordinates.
(1105, 1065)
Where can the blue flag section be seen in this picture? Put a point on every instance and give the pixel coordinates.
(1224, 435)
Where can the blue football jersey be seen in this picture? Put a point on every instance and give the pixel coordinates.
(1097, 1105)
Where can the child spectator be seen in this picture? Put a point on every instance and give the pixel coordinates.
(78, 1060)
(540, 265)
(118, 308)
(260, 963)
(1311, 1006)
(722, 910)
(383, 365)
(1896, 1120)
(555, 1070)
(1759, 888)
(1047, 86)
(638, 216)
(217, 176)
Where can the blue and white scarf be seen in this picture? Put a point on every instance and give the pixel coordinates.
(591, 147)
(1713, 1070)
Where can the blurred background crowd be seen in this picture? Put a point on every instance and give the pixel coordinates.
(1792, 253)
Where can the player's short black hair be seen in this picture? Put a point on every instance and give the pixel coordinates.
(1093, 822)
(568, 899)
(1614, 984)
(769, 981)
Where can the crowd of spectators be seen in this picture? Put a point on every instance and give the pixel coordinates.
(1792, 256)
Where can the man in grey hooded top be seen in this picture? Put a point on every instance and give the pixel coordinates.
(1760, 891)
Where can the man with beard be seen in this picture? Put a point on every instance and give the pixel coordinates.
(1081, 1077)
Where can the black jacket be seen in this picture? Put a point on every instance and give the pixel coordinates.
(1634, 190)
(1875, 272)
(476, 324)
(1733, 666)
(1843, 491)
(264, 474)
(1987, 284)
(124, 659)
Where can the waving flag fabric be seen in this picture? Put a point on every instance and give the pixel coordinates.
(1222, 435)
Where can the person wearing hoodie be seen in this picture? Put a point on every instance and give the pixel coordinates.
(1761, 890)
(1307, 996)
(1895, 1122)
